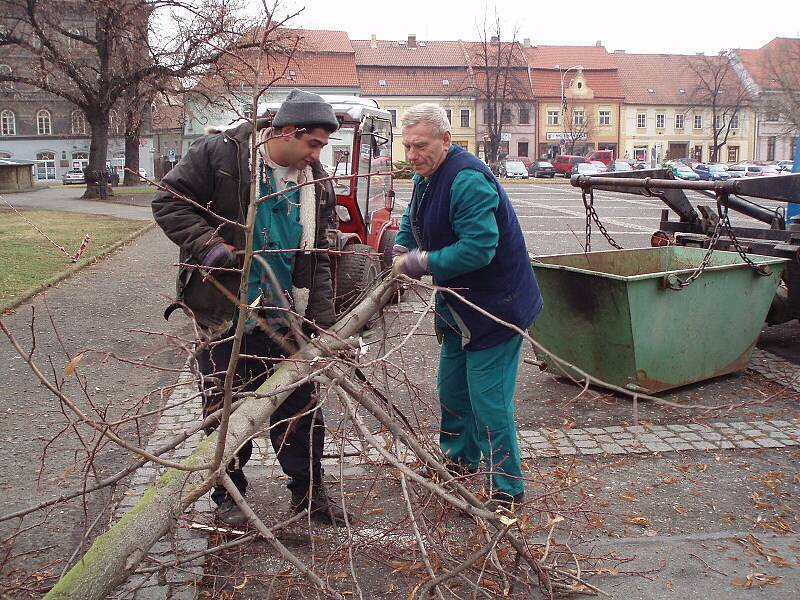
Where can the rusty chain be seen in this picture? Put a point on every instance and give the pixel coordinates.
(723, 221)
(591, 215)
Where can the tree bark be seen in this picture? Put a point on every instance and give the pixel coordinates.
(114, 555)
(96, 174)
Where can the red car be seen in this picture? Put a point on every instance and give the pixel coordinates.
(564, 163)
(525, 160)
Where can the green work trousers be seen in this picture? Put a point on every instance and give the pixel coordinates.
(476, 392)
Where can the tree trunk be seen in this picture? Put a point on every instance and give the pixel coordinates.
(96, 173)
(132, 156)
(114, 555)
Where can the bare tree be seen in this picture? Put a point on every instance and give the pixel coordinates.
(96, 53)
(719, 90)
(780, 94)
(578, 126)
(499, 80)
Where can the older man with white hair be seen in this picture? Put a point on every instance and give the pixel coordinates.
(460, 227)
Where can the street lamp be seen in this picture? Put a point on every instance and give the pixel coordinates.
(563, 73)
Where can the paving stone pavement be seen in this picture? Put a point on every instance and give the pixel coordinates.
(182, 410)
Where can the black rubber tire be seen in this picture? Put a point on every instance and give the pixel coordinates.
(385, 248)
(355, 273)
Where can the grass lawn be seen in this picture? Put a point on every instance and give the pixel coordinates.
(28, 260)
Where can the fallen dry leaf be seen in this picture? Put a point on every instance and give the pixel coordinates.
(759, 503)
(758, 580)
(638, 519)
(629, 497)
(70, 368)
(679, 509)
(779, 561)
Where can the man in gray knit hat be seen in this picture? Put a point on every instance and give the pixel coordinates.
(215, 173)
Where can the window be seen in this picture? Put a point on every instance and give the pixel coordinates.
(79, 126)
(771, 147)
(640, 153)
(393, 116)
(45, 165)
(698, 121)
(661, 120)
(465, 117)
(524, 118)
(698, 152)
(579, 117)
(114, 124)
(43, 122)
(719, 122)
(506, 115)
(552, 117)
(72, 43)
(735, 122)
(8, 124)
(733, 154)
(449, 113)
(605, 117)
(678, 121)
(5, 70)
(522, 148)
(641, 120)
(771, 115)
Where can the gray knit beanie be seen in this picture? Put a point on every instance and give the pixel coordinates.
(302, 109)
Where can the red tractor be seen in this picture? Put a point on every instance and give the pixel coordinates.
(364, 229)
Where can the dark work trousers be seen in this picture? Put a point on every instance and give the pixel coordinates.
(292, 439)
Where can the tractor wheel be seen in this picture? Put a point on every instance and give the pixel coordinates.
(385, 247)
(355, 273)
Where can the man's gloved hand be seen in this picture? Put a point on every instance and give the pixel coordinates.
(398, 250)
(413, 264)
(222, 255)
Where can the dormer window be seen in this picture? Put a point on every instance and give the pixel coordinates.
(651, 90)
(381, 82)
(445, 82)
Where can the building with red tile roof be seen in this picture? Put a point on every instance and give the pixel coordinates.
(666, 113)
(579, 97)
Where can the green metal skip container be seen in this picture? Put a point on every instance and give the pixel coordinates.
(614, 315)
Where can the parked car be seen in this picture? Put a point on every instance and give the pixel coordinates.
(601, 166)
(772, 170)
(619, 165)
(712, 172)
(682, 171)
(785, 165)
(745, 170)
(564, 163)
(689, 162)
(604, 156)
(515, 169)
(74, 176)
(585, 168)
(542, 168)
(525, 160)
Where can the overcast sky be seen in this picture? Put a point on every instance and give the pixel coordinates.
(670, 26)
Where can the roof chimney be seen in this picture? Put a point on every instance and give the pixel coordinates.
(373, 41)
(598, 43)
(412, 40)
(494, 39)
(526, 42)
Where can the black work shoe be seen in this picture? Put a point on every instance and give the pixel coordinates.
(505, 501)
(229, 513)
(322, 507)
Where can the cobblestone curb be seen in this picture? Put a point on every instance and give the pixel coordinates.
(179, 582)
(775, 369)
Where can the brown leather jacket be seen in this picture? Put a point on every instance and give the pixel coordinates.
(215, 173)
